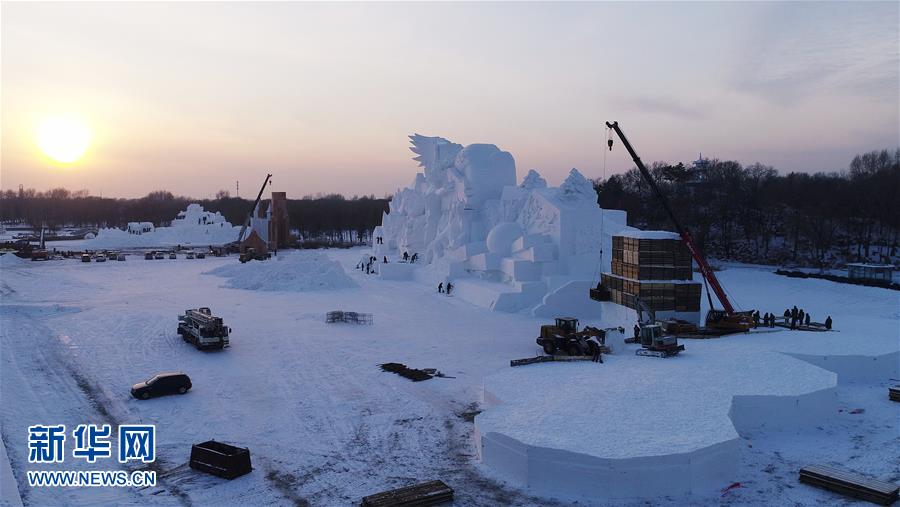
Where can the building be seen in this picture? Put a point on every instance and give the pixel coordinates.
(654, 268)
(279, 230)
(876, 272)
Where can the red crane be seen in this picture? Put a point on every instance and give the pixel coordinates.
(729, 318)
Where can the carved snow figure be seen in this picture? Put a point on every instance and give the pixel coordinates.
(523, 246)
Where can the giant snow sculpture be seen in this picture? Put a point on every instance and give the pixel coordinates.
(504, 245)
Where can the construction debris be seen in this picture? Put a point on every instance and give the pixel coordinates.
(850, 484)
(422, 494)
(413, 374)
(349, 317)
(548, 359)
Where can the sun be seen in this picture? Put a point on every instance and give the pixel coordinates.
(64, 139)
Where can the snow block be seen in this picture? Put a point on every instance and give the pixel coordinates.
(521, 270)
(856, 368)
(571, 299)
(530, 240)
(485, 261)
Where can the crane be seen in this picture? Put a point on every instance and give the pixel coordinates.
(728, 318)
(253, 208)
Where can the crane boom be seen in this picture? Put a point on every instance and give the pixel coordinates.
(252, 209)
(704, 266)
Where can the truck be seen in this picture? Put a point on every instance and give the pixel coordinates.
(202, 329)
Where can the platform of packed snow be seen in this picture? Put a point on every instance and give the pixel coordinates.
(192, 227)
(301, 271)
(505, 245)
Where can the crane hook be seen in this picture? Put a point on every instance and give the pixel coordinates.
(609, 142)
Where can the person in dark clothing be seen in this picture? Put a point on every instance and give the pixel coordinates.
(756, 318)
(828, 322)
(449, 287)
(385, 259)
(807, 319)
(787, 314)
(441, 288)
(766, 319)
(800, 315)
(794, 312)
(405, 256)
(594, 346)
(637, 332)
(772, 320)
(414, 257)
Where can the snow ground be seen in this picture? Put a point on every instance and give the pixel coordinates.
(324, 425)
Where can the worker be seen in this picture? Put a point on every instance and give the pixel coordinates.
(807, 319)
(637, 331)
(385, 259)
(414, 257)
(441, 288)
(800, 318)
(766, 319)
(449, 288)
(594, 346)
(787, 314)
(828, 323)
(756, 318)
(405, 256)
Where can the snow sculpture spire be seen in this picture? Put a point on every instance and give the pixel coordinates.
(577, 187)
(533, 180)
(434, 154)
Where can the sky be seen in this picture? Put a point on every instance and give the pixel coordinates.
(194, 97)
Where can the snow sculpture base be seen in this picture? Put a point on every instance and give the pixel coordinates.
(644, 428)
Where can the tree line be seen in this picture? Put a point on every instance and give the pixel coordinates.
(754, 214)
(745, 213)
(331, 218)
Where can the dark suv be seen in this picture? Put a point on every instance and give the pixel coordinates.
(162, 384)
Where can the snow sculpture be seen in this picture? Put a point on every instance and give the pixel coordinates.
(194, 226)
(504, 246)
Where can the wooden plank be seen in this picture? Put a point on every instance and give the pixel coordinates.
(850, 484)
(422, 494)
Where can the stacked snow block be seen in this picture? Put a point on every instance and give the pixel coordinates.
(656, 269)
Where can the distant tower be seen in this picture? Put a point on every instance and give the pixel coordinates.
(237, 188)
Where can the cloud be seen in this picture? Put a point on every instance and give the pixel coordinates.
(799, 51)
(663, 105)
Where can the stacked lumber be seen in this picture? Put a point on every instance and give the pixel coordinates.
(658, 271)
(422, 494)
(850, 484)
(556, 358)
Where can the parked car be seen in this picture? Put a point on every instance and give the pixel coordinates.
(162, 384)
(148, 256)
(120, 257)
(85, 257)
(201, 255)
(100, 258)
(159, 255)
(190, 255)
(173, 256)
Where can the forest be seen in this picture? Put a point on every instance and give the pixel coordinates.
(754, 214)
(743, 213)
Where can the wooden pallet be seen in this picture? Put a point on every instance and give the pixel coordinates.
(422, 494)
(850, 484)
(894, 393)
(551, 359)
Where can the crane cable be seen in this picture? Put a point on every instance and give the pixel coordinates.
(602, 210)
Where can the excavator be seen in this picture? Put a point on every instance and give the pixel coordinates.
(727, 319)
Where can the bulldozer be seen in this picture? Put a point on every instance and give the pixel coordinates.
(563, 337)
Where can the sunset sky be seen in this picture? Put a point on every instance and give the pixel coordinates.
(191, 97)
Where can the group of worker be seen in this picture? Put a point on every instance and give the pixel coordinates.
(379, 240)
(410, 258)
(798, 317)
(441, 288)
(768, 319)
(367, 265)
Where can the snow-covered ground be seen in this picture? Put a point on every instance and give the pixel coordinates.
(325, 426)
